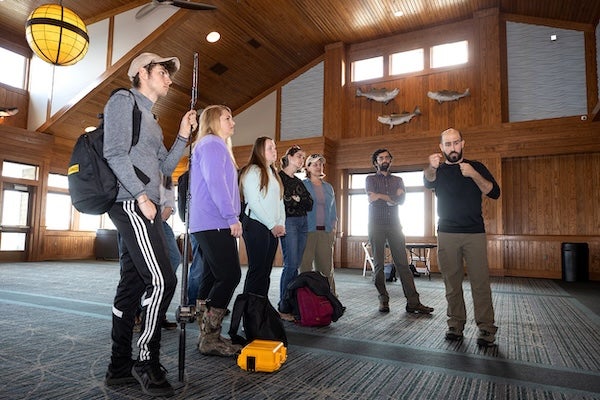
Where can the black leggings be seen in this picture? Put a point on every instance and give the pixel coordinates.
(221, 273)
(261, 247)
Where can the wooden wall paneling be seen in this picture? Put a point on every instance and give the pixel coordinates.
(14, 97)
(587, 178)
(492, 209)
(333, 91)
(568, 197)
(495, 257)
(487, 52)
(67, 245)
(438, 113)
(540, 256)
(552, 195)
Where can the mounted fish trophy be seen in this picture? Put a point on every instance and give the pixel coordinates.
(7, 112)
(400, 118)
(447, 95)
(381, 95)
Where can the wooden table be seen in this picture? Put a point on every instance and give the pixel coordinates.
(420, 252)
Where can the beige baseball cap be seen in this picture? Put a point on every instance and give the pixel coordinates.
(150, 58)
(314, 157)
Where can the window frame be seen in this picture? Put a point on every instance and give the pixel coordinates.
(429, 212)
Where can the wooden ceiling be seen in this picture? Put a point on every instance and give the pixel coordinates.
(262, 43)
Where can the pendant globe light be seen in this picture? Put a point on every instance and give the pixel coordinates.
(57, 35)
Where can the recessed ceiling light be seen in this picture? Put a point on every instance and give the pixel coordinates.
(213, 37)
(398, 13)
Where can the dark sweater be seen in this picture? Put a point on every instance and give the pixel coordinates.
(459, 198)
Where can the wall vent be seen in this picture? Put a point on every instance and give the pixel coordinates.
(254, 43)
(219, 69)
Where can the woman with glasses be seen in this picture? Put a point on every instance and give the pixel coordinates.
(297, 203)
(264, 214)
(322, 221)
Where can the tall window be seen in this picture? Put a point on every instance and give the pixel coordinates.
(58, 203)
(411, 213)
(12, 68)
(60, 214)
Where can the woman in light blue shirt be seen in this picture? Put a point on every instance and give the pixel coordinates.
(322, 221)
(264, 214)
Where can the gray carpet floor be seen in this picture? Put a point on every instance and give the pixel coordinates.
(55, 343)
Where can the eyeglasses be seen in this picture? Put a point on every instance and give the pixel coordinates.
(316, 155)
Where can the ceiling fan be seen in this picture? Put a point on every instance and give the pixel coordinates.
(154, 4)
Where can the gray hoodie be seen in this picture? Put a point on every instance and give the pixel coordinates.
(149, 155)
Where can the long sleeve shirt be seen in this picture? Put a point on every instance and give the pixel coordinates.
(330, 210)
(296, 198)
(380, 211)
(214, 192)
(149, 155)
(459, 198)
(263, 206)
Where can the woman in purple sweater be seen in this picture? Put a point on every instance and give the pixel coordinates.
(214, 222)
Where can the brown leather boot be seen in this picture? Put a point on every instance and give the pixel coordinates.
(211, 341)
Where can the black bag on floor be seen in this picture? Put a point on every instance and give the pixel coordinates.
(260, 320)
(390, 272)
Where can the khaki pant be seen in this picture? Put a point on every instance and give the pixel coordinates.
(318, 253)
(453, 248)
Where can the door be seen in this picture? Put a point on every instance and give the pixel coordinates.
(15, 220)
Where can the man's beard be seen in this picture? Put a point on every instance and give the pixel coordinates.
(453, 156)
(384, 166)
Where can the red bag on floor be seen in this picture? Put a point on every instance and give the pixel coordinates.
(314, 310)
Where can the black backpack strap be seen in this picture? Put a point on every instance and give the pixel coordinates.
(135, 136)
(137, 116)
(236, 317)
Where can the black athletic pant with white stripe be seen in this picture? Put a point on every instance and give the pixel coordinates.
(146, 274)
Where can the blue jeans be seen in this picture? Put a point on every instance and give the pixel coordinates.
(292, 246)
(174, 254)
(195, 271)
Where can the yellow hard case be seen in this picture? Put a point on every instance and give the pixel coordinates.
(262, 356)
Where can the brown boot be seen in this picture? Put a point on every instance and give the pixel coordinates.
(200, 310)
(211, 341)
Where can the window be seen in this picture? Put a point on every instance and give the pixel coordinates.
(445, 55)
(407, 61)
(15, 213)
(370, 68)
(20, 171)
(12, 68)
(58, 211)
(411, 213)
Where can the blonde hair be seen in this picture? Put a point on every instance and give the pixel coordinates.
(210, 124)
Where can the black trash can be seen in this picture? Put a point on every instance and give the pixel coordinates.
(575, 265)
